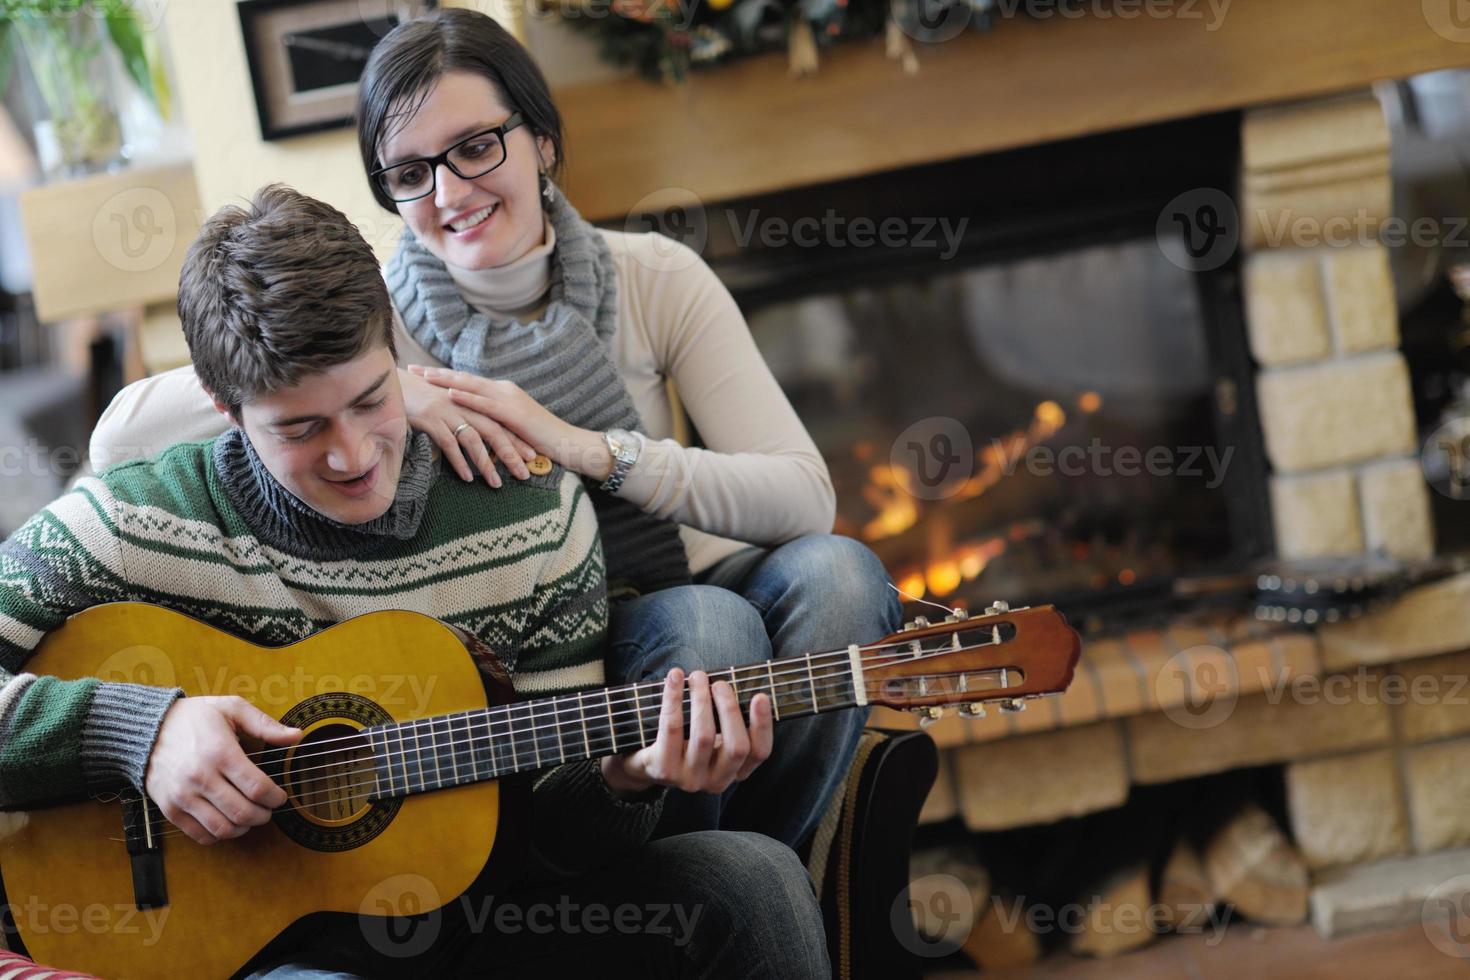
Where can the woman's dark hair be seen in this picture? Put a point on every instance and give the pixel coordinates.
(414, 55)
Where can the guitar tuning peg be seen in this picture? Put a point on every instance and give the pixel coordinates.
(1012, 705)
(921, 622)
(930, 716)
(997, 607)
(973, 710)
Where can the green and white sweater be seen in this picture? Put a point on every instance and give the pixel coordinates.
(204, 529)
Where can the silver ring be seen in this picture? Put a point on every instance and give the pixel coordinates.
(460, 428)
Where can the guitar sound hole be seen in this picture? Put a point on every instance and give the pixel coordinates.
(329, 776)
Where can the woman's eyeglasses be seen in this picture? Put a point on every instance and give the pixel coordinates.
(474, 156)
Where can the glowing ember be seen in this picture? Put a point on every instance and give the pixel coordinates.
(912, 585)
(943, 577)
(887, 491)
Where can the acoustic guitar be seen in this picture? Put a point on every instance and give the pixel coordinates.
(398, 792)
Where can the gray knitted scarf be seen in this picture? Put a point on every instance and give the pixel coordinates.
(282, 520)
(563, 360)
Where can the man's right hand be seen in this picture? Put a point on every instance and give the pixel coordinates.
(199, 775)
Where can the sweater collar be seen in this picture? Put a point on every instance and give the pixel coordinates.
(514, 288)
(283, 521)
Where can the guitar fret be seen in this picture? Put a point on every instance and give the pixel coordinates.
(535, 736)
(561, 745)
(612, 730)
(638, 713)
(402, 761)
(582, 714)
(373, 751)
(461, 744)
(771, 684)
(474, 752)
(418, 746)
(496, 769)
(812, 683)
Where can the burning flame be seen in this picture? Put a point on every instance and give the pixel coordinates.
(897, 510)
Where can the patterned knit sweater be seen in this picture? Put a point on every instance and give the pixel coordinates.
(204, 529)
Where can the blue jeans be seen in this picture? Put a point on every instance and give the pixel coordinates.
(709, 905)
(817, 593)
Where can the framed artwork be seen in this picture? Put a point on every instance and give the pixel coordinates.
(306, 57)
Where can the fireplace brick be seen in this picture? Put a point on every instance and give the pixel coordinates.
(1041, 778)
(1342, 411)
(1396, 515)
(1279, 139)
(1316, 514)
(1256, 732)
(1361, 307)
(1286, 316)
(1347, 809)
(1423, 622)
(1437, 701)
(1438, 779)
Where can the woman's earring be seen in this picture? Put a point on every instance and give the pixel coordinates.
(548, 190)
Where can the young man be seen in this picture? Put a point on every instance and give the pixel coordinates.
(321, 504)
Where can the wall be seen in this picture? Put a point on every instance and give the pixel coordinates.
(212, 83)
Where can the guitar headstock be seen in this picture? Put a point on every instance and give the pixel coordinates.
(1006, 656)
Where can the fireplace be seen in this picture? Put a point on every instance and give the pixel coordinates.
(979, 441)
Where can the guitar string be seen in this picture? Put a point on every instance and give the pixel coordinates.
(828, 685)
(331, 791)
(638, 691)
(826, 659)
(615, 709)
(435, 751)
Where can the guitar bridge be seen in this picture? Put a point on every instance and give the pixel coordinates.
(142, 821)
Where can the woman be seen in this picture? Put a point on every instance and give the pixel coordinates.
(529, 331)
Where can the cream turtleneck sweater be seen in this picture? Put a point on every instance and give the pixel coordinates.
(760, 479)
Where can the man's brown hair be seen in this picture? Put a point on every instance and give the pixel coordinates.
(278, 292)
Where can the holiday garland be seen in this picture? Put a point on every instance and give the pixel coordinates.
(665, 39)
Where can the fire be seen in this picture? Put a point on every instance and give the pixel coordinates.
(912, 584)
(887, 490)
(943, 577)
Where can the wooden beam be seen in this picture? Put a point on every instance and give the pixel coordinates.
(747, 128)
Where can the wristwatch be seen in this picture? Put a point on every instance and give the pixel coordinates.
(624, 447)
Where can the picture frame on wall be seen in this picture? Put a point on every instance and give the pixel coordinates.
(307, 56)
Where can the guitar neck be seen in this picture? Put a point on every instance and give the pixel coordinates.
(451, 750)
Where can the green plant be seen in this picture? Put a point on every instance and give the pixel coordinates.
(63, 41)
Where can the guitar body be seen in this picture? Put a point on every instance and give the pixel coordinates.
(67, 874)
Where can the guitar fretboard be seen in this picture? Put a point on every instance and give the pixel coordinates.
(450, 750)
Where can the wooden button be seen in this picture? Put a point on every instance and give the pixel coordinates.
(540, 466)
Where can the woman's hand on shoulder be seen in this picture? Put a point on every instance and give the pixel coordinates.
(477, 444)
(492, 405)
